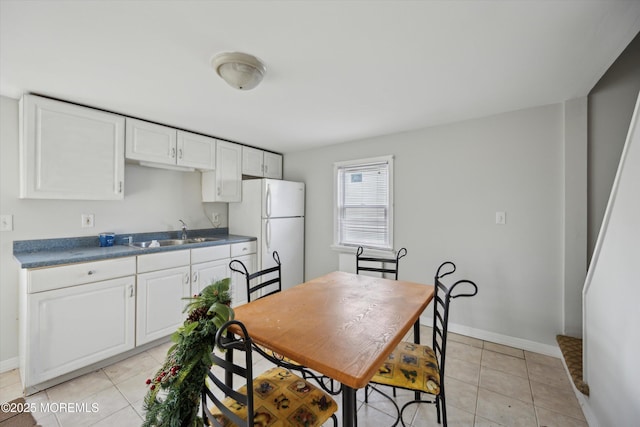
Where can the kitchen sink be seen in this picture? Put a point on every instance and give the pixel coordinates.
(172, 242)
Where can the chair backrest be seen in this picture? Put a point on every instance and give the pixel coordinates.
(442, 297)
(217, 378)
(386, 265)
(269, 277)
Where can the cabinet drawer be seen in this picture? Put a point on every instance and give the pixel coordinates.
(163, 260)
(210, 253)
(244, 248)
(46, 279)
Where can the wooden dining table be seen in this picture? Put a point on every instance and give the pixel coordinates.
(341, 325)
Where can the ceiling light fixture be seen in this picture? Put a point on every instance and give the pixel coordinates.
(240, 70)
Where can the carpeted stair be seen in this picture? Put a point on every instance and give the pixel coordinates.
(571, 349)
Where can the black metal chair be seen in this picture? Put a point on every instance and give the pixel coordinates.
(269, 277)
(387, 265)
(421, 368)
(384, 266)
(276, 396)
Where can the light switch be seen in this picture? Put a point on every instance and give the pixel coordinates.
(6, 222)
(501, 218)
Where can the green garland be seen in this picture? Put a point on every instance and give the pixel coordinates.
(188, 361)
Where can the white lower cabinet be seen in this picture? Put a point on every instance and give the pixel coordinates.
(246, 253)
(208, 265)
(76, 315)
(74, 327)
(63, 329)
(161, 292)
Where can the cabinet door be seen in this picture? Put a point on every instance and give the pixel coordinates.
(225, 183)
(150, 142)
(160, 303)
(239, 282)
(196, 151)
(252, 160)
(204, 274)
(70, 152)
(74, 327)
(272, 165)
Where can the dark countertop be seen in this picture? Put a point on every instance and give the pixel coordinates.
(51, 252)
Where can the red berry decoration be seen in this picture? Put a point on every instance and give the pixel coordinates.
(148, 381)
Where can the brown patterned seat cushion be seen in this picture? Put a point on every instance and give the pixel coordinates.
(410, 366)
(282, 398)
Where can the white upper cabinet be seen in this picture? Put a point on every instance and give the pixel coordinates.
(196, 151)
(152, 144)
(261, 163)
(225, 183)
(272, 165)
(252, 161)
(69, 151)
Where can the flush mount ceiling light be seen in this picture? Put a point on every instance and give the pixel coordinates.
(240, 70)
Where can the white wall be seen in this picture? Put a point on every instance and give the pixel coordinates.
(612, 317)
(449, 182)
(611, 104)
(154, 200)
(575, 218)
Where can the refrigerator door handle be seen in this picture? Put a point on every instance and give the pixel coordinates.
(267, 206)
(267, 233)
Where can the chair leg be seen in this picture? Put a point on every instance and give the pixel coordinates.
(438, 408)
(444, 410)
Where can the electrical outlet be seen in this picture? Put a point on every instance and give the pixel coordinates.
(6, 222)
(87, 220)
(215, 219)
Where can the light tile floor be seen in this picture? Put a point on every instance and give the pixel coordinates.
(488, 385)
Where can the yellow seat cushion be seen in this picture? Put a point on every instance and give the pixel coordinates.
(410, 366)
(281, 398)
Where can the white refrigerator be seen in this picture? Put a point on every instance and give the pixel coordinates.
(273, 211)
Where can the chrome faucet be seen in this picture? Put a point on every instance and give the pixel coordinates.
(183, 236)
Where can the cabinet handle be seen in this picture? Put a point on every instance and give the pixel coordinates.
(195, 277)
(130, 291)
(120, 187)
(180, 154)
(91, 272)
(173, 153)
(219, 191)
(186, 278)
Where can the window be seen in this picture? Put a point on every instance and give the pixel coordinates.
(364, 203)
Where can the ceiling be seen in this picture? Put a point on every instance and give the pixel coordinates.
(336, 71)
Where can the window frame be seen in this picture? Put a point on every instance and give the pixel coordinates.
(337, 166)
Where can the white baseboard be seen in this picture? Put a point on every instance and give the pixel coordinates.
(533, 346)
(9, 364)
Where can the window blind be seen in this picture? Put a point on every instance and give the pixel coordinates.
(363, 205)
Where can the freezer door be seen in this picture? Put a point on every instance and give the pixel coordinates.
(285, 235)
(282, 199)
